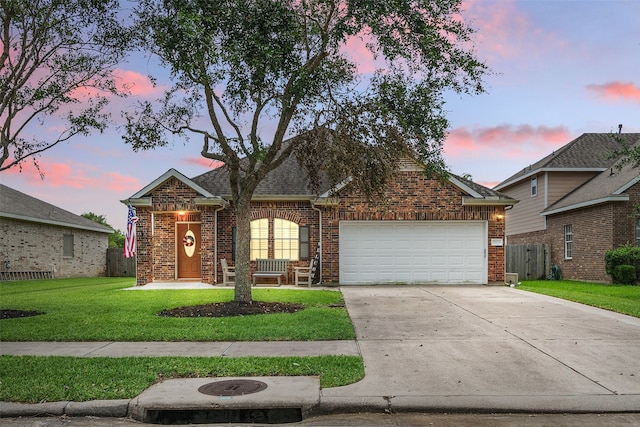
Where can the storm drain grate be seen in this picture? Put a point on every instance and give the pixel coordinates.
(278, 416)
(232, 387)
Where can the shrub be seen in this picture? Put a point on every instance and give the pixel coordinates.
(625, 255)
(624, 274)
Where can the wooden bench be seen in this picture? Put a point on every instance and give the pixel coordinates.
(272, 269)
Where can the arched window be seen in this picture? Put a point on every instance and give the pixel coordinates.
(276, 238)
(285, 239)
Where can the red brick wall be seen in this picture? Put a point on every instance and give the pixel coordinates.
(596, 230)
(299, 212)
(411, 197)
(592, 230)
(155, 245)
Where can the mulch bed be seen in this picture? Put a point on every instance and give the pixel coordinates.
(232, 308)
(223, 309)
(13, 314)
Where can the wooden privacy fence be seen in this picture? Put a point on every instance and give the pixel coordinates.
(531, 262)
(118, 265)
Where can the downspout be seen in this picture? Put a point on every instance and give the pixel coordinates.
(313, 206)
(215, 243)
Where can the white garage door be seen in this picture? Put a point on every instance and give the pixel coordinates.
(413, 252)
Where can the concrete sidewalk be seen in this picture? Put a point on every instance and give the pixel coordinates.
(194, 349)
(446, 349)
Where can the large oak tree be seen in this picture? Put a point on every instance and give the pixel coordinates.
(56, 63)
(250, 74)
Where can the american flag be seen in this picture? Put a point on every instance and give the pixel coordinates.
(130, 240)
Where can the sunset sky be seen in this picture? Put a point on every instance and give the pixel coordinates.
(561, 68)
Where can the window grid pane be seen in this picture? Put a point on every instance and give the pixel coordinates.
(285, 239)
(259, 238)
(568, 242)
(534, 186)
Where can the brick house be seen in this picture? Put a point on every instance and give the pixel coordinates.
(579, 203)
(37, 237)
(428, 231)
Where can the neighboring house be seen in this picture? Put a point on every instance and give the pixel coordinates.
(428, 231)
(36, 236)
(577, 201)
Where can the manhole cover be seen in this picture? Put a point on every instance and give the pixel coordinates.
(232, 387)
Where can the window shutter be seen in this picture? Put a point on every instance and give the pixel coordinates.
(304, 242)
(234, 232)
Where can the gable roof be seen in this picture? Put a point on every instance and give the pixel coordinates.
(17, 205)
(290, 181)
(587, 153)
(141, 197)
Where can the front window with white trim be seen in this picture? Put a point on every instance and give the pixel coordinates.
(534, 186)
(568, 242)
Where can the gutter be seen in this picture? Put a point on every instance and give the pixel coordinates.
(488, 201)
(615, 198)
(106, 230)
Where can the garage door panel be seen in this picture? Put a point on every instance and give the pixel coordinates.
(412, 252)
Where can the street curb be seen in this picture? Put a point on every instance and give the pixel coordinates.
(98, 408)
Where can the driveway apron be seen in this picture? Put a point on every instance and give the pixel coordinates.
(473, 347)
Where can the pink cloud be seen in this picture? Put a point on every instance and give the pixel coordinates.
(202, 161)
(126, 81)
(76, 176)
(119, 183)
(505, 141)
(616, 90)
(135, 83)
(503, 31)
(356, 50)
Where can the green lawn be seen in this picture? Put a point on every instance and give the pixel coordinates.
(98, 309)
(619, 298)
(33, 379)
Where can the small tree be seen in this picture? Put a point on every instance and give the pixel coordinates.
(116, 239)
(52, 51)
(239, 64)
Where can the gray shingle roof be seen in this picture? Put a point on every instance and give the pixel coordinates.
(588, 152)
(17, 205)
(291, 180)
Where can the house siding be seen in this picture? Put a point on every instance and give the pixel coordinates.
(562, 183)
(525, 216)
(552, 186)
(32, 246)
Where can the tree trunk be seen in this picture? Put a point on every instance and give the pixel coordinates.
(243, 250)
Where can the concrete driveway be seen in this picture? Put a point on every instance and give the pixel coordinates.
(489, 348)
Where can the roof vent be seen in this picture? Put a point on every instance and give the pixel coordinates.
(620, 128)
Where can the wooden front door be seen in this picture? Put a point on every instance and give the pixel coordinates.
(189, 252)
